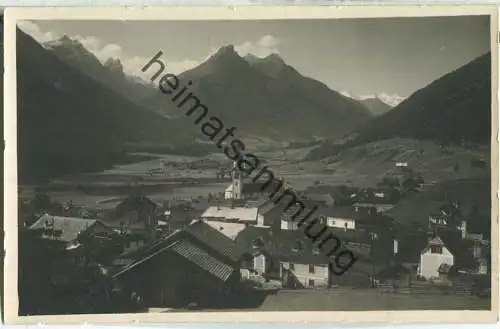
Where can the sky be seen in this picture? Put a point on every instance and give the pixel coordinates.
(388, 57)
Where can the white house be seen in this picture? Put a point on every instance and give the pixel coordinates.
(309, 275)
(432, 257)
(339, 217)
(307, 269)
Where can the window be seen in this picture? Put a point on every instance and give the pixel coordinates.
(311, 283)
(311, 268)
(436, 249)
(292, 267)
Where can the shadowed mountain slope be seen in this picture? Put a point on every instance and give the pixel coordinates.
(71, 123)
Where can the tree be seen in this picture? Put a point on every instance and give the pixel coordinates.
(41, 202)
(409, 184)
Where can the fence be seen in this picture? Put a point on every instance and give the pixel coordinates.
(462, 289)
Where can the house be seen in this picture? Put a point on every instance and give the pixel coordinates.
(448, 217)
(372, 208)
(71, 234)
(290, 256)
(178, 216)
(291, 216)
(343, 217)
(432, 257)
(270, 212)
(68, 229)
(197, 264)
(326, 199)
(136, 215)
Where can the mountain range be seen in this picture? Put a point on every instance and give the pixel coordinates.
(455, 108)
(265, 97)
(69, 122)
(78, 114)
(109, 73)
(262, 97)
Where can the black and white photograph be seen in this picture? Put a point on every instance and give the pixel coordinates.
(167, 166)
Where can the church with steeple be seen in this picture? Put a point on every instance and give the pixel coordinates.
(235, 190)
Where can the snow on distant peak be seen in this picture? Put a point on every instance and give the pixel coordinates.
(390, 99)
(348, 94)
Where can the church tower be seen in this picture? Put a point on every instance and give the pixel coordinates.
(237, 182)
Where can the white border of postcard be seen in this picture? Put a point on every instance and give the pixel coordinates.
(12, 15)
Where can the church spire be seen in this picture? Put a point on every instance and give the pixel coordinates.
(237, 181)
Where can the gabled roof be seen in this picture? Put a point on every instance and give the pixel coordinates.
(137, 203)
(436, 241)
(290, 245)
(215, 240)
(202, 259)
(69, 227)
(322, 197)
(198, 238)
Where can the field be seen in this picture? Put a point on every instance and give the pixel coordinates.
(368, 300)
(345, 299)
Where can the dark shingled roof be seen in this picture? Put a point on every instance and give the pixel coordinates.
(136, 203)
(291, 245)
(418, 206)
(202, 259)
(199, 237)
